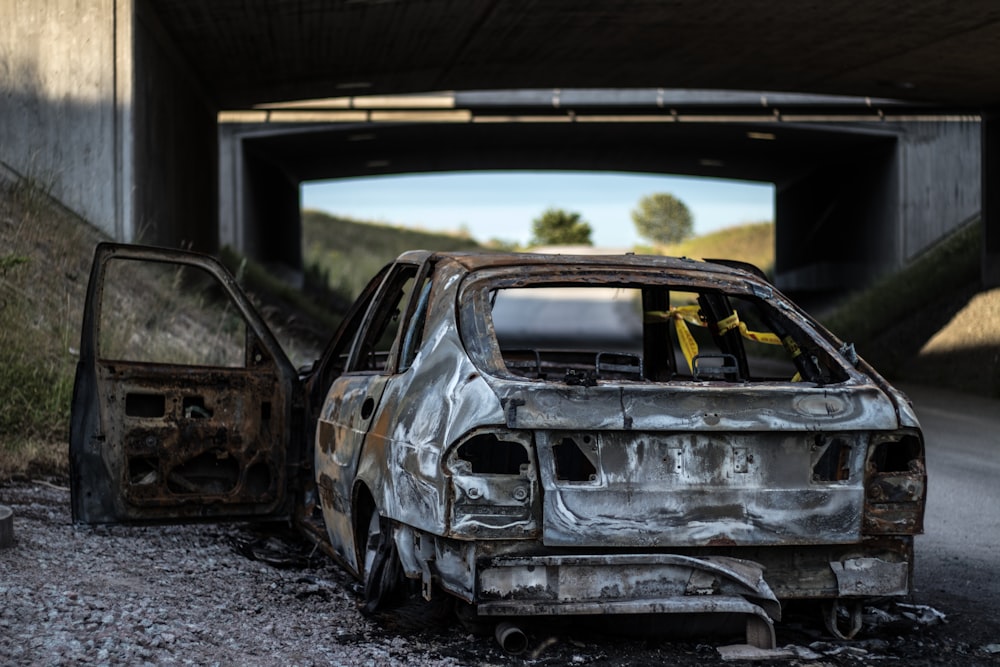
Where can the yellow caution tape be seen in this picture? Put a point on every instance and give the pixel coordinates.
(766, 338)
(727, 324)
(680, 315)
(688, 345)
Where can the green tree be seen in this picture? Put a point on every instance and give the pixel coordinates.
(558, 227)
(663, 218)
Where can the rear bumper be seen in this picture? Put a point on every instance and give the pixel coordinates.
(620, 584)
(629, 584)
(520, 578)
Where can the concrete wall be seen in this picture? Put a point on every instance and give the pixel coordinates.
(271, 212)
(939, 167)
(847, 223)
(835, 226)
(991, 199)
(65, 112)
(96, 105)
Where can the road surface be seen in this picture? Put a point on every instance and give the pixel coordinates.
(958, 557)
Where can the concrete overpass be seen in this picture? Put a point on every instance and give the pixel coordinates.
(113, 103)
(862, 186)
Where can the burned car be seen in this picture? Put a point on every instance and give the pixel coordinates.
(534, 435)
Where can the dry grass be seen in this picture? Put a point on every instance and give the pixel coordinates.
(347, 253)
(44, 262)
(752, 242)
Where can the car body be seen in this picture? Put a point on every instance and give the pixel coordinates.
(531, 434)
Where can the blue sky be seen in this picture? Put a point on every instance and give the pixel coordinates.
(503, 204)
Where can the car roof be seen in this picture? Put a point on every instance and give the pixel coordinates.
(473, 261)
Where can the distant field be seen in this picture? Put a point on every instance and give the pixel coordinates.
(752, 242)
(347, 253)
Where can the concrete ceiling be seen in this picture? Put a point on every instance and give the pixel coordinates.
(252, 51)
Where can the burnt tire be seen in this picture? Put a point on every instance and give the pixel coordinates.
(385, 583)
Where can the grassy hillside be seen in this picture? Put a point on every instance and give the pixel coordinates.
(346, 253)
(891, 321)
(44, 262)
(752, 242)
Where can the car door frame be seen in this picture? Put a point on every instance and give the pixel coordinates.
(101, 490)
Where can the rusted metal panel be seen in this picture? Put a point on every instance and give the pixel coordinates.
(442, 397)
(620, 577)
(213, 440)
(871, 577)
(655, 489)
(696, 407)
(791, 572)
(204, 437)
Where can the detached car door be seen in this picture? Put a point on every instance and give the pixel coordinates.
(183, 399)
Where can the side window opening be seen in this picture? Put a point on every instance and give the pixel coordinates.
(170, 313)
(377, 337)
(414, 335)
(334, 359)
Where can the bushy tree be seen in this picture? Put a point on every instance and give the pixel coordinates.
(558, 227)
(663, 218)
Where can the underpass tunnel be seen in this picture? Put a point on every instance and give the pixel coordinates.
(839, 211)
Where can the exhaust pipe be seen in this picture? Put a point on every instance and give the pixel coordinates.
(511, 638)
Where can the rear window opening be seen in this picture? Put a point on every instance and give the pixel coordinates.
(581, 335)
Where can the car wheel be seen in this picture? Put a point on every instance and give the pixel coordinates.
(382, 572)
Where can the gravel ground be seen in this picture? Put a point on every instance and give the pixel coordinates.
(178, 595)
(174, 595)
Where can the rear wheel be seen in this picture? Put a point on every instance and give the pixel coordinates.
(382, 572)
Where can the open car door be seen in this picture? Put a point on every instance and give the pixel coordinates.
(184, 402)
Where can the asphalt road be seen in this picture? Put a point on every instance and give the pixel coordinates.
(958, 557)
